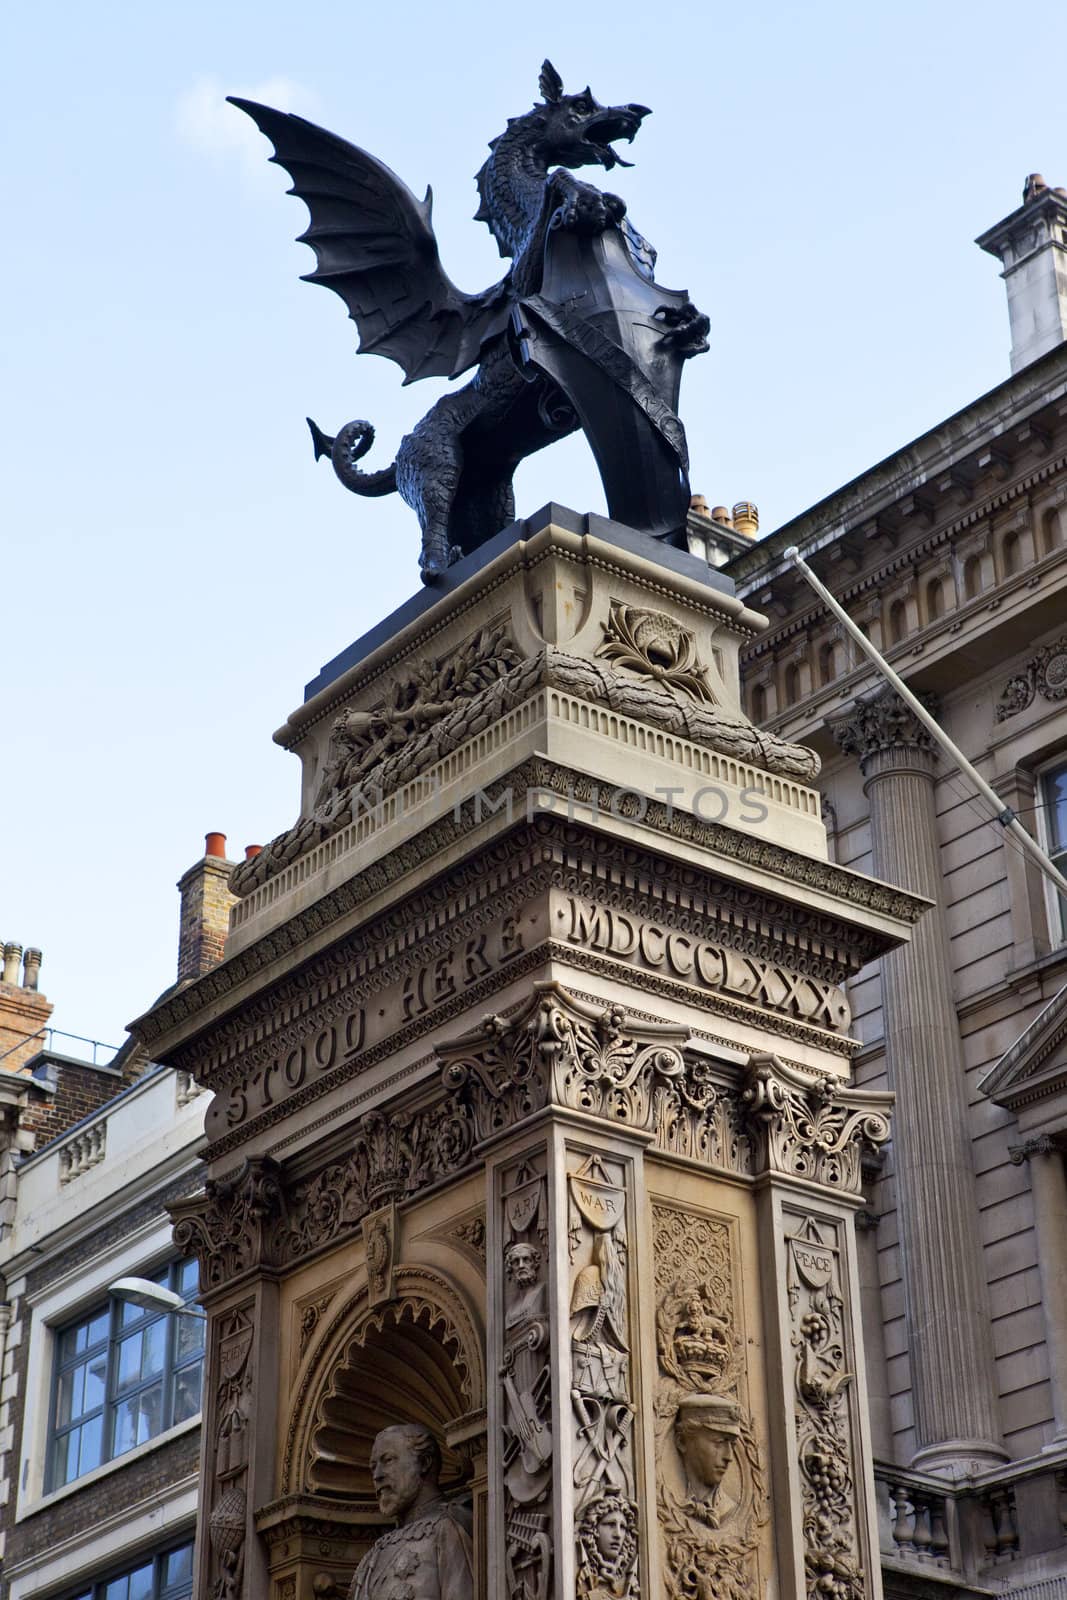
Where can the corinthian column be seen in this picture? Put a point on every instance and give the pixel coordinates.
(949, 1342)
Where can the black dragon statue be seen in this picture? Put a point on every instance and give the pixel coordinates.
(577, 334)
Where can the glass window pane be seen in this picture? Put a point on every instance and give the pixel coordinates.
(141, 1354)
(178, 1567)
(188, 1337)
(187, 1392)
(69, 1395)
(138, 1419)
(1056, 800)
(141, 1583)
(118, 1589)
(77, 1340)
(92, 1444)
(185, 1279)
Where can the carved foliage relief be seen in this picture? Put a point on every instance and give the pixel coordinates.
(234, 1334)
(711, 1493)
(525, 1379)
(601, 1381)
(559, 1050)
(822, 1385)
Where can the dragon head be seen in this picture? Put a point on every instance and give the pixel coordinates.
(562, 130)
(576, 131)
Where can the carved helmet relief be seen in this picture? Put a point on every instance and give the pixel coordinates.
(711, 1494)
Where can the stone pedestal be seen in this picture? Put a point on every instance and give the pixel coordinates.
(533, 1117)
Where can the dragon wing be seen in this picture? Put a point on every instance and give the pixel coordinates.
(374, 246)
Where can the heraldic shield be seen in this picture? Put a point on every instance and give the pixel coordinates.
(598, 331)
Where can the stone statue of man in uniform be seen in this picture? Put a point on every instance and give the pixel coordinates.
(428, 1555)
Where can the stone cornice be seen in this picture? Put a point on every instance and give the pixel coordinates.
(220, 988)
(1023, 1076)
(928, 457)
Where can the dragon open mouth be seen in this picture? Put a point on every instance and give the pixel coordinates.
(617, 122)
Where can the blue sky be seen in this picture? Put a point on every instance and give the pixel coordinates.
(175, 566)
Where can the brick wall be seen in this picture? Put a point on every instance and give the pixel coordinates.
(205, 916)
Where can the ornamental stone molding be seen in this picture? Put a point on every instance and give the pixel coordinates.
(558, 1050)
(814, 1128)
(233, 1225)
(657, 645)
(1045, 674)
(882, 722)
(371, 754)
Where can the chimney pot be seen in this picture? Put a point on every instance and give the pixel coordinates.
(251, 851)
(12, 958)
(746, 518)
(31, 966)
(720, 514)
(215, 845)
(698, 505)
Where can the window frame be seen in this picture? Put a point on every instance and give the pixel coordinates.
(1056, 904)
(173, 1365)
(96, 1588)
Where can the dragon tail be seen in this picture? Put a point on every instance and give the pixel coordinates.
(350, 445)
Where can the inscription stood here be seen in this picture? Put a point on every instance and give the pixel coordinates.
(330, 1044)
(711, 966)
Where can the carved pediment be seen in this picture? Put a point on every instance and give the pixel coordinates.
(1035, 1068)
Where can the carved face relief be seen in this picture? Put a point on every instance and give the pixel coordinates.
(398, 1471)
(523, 1265)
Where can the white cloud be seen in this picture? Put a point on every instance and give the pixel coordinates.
(208, 124)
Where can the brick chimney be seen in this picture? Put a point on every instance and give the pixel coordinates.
(205, 910)
(24, 1011)
(1031, 244)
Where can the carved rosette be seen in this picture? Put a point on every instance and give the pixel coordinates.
(558, 1050)
(823, 1396)
(815, 1128)
(711, 1490)
(1044, 674)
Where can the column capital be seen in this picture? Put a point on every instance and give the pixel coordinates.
(815, 1128)
(232, 1224)
(557, 1050)
(881, 723)
(1039, 1144)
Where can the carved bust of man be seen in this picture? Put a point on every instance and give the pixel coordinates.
(428, 1555)
(706, 1431)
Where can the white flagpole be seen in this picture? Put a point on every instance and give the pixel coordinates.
(1002, 813)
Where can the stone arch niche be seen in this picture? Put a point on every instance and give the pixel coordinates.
(419, 1357)
(404, 1365)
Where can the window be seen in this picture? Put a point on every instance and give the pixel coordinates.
(935, 600)
(122, 1375)
(972, 577)
(792, 684)
(1054, 812)
(898, 621)
(161, 1577)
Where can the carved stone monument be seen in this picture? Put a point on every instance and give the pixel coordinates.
(534, 1129)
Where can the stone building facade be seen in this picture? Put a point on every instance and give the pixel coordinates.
(100, 1400)
(952, 555)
